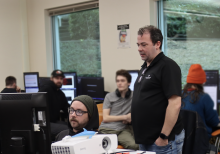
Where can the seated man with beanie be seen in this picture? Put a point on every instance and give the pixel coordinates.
(117, 112)
(195, 99)
(83, 113)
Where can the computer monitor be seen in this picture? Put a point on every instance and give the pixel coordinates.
(70, 86)
(92, 86)
(211, 85)
(219, 89)
(18, 113)
(218, 102)
(31, 82)
(134, 75)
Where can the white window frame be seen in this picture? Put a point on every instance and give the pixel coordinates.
(56, 21)
(162, 25)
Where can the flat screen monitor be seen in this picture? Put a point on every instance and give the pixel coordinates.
(219, 89)
(70, 86)
(92, 86)
(31, 82)
(211, 85)
(134, 75)
(18, 113)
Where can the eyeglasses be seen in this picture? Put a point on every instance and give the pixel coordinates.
(78, 112)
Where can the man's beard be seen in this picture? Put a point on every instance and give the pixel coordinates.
(79, 126)
(58, 85)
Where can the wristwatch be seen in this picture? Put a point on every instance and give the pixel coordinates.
(163, 136)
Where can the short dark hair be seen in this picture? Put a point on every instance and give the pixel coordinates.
(125, 74)
(10, 80)
(155, 34)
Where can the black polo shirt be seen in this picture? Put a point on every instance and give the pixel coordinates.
(161, 80)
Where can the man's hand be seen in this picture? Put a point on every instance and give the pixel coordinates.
(111, 118)
(128, 117)
(125, 122)
(161, 142)
(18, 89)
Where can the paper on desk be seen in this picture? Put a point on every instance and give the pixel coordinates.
(140, 152)
(119, 151)
(127, 151)
(144, 152)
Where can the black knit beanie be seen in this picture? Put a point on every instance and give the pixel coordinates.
(87, 101)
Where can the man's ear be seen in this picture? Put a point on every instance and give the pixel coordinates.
(129, 83)
(14, 85)
(157, 45)
(51, 78)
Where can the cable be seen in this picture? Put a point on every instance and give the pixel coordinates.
(44, 137)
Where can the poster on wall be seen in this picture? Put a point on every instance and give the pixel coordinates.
(123, 36)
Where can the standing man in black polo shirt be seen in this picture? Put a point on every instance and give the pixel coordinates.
(157, 97)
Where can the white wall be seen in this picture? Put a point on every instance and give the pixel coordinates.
(14, 59)
(40, 33)
(112, 13)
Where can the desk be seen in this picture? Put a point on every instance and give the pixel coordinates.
(126, 151)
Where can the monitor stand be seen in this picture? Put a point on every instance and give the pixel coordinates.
(98, 101)
(17, 145)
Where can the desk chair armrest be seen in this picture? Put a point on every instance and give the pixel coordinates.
(216, 133)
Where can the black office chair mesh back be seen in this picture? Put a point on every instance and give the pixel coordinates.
(196, 137)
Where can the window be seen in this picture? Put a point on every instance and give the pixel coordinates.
(191, 33)
(77, 43)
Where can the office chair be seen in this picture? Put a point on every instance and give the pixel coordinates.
(216, 134)
(100, 109)
(196, 137)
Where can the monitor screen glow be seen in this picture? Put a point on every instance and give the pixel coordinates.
(134, 75)
(212, 91)
(32, 90)
(133, 79)
(68, 82)
(69, 86)
(31, 82)
(70, 95)
(211, 85)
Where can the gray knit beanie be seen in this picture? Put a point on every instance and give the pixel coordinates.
(87, 101)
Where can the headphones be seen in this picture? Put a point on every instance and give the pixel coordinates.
(127, 95)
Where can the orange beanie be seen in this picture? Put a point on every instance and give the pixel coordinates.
(196, 74)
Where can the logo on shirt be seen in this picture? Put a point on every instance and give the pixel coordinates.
(148, 77)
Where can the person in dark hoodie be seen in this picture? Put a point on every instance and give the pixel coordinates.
(56, 98)
(11, 85)
(56, 101)
(83, 113)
